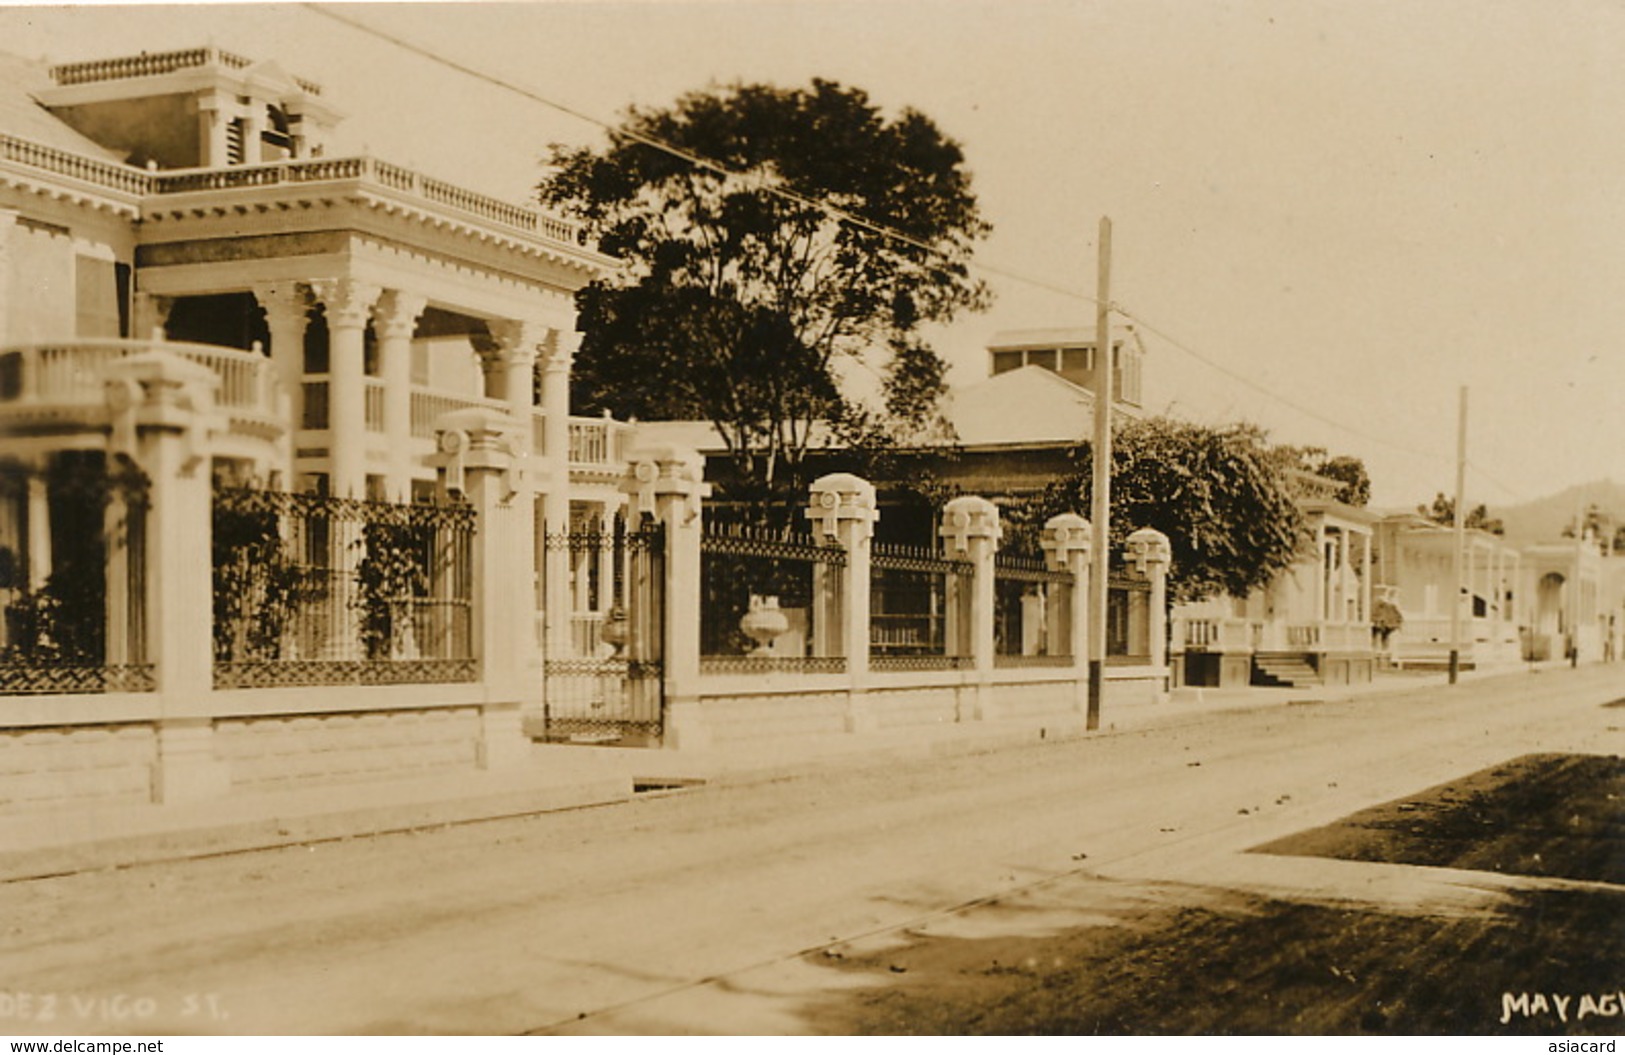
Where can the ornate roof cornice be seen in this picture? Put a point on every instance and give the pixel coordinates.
(242, 190)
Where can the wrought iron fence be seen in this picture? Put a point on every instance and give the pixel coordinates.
(609, 688)
(1127, 620)
(315, 590)
(769, 601)
(1032, 606)
(919, 609)
(73, 577)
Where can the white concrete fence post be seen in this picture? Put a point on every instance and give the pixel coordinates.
(476, 455)
(667, 482)
(162, 408)
(1067, 540)
(1149, 549)
(842, 508)
(970, 531)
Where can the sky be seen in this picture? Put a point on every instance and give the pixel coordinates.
(1334, 213)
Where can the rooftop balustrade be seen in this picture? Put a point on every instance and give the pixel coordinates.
(156, 64)
(431, 192)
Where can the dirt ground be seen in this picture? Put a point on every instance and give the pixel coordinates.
(1538, 815)
(1110, 883)
(1219, 962)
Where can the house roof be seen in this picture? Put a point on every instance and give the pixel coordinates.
(21, 115)
(1026, 408)
(1030, 405)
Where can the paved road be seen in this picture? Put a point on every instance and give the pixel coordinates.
(687, 911)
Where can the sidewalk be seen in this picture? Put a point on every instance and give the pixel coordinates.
(569, 777)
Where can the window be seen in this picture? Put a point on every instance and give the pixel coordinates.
(316, 342)
(1003, 362)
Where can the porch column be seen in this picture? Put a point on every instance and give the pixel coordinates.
(150, 315)
(395, 321)
(555, 364)
(667, 482)
(160, 404)
(511, 368)
(349, 306)
(1319, 599)
(1149, 549)
(39, 529)
(842, 509)
(212, 118)
(253, 129)
(476, 449)
(1067, 540)
(971, 531)
(1365, 582)
(287, 309)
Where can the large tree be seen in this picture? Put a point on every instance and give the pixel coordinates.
(761, 257)
(1343, 468)
(1221, 495)
(1443, 511)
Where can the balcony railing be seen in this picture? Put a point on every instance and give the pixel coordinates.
(591, 442)
(73, 373)
(106, 174)
(1218, 634)
(130, 180)
(366, 170)
(428, 405)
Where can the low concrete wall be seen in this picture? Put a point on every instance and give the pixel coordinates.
(918, 705)
(288, 751)
(790, 708)
(87, 750)
(89, 765)
(1354, 668)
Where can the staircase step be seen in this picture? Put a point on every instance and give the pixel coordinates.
(1283, 671)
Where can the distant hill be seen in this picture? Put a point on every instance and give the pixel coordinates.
(1544, 519)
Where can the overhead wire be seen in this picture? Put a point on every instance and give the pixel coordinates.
(853, 219)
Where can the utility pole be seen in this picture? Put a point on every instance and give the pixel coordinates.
(1575, 581)
(1100, 486)
(1460, 537)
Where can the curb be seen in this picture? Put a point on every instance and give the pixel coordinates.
(174, 839)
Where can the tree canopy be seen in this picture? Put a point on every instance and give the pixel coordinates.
(753, 278)
(1443, 511)
(1344, 468)
(1221, 495)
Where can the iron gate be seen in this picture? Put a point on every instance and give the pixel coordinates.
(605, 685)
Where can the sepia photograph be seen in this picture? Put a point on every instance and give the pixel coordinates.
(812, 518)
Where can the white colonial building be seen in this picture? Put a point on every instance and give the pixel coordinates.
(290, 489)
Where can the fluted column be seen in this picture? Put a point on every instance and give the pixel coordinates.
(557, 357)
(286, 306)
(349, 306)
(509, 370)
(395, 321)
